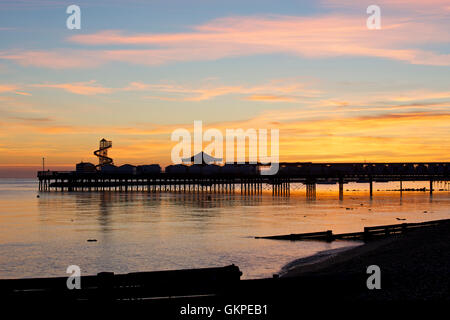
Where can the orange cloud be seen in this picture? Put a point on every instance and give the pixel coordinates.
(55, 59)
(83, 88)
(200, 92)
(422, 95)
(378, 137)
(11, 88)
(8, 88)
(22, 93)
(274, 89)
(270, 98)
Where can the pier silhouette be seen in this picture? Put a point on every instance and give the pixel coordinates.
(243, 178)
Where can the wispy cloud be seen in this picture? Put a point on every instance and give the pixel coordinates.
(270, 98)
(406, 6)
(390, 136)
(420, 95)
(312, 37)
(55, 59)
(82, 88)
(12, 88)
(33, 120)
(276, 90)
(8, 88)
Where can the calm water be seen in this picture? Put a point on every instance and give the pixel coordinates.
(138, 231)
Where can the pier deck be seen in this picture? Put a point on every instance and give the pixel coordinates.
(308, 174)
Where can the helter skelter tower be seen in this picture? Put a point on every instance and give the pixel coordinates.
(102, 153)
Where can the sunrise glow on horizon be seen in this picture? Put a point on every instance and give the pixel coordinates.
(336, 90)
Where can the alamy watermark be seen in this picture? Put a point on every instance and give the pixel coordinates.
(235, 153)
(374, 281)
(374, 20)
(74, 280)
(74, 20)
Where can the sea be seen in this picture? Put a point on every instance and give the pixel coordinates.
(43, 233)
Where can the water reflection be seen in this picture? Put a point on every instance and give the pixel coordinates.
(141, 231)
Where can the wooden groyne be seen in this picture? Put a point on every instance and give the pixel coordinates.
(369, 233)
(110, 286)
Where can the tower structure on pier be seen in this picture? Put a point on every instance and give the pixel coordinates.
(102, 153)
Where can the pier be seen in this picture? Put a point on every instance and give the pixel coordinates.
(248, 182)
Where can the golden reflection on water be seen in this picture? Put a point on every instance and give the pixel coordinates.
(139, 231)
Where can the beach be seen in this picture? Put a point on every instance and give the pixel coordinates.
(414, 266)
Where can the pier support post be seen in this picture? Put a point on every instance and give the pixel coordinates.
(329, 236)
(431, 187)
(341, 189)
(371, 188)
(310, 190)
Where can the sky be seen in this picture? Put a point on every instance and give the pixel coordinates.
(138, 70)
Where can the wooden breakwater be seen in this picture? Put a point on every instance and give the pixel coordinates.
(369, 233)
(109, 286)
